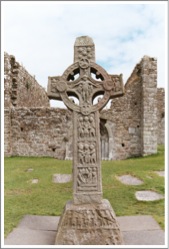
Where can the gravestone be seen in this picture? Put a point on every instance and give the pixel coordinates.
(88, 219)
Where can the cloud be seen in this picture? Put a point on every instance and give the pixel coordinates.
(41, 35)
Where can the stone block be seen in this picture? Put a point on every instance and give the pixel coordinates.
(88, 224)
(132, 130)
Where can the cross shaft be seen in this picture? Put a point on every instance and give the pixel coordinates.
(85, 80)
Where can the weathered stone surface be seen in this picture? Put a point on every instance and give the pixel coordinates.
(149, 108)
(61, 178)
(7, 132)
(148, 195)
(88, 210)
(129, 180)
(134, 116)
(86, 134)
(21, 89)
(88, 224)
(41, 132)
(161, 115)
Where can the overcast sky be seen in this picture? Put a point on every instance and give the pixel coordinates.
(41, 35)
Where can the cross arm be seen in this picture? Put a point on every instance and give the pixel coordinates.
(53, 90)
(115, 86)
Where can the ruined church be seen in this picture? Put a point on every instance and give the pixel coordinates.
(132, 126)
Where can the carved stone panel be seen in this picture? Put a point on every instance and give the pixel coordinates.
(87, 170)
(88, 225)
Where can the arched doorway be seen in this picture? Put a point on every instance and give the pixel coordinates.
(104, 140)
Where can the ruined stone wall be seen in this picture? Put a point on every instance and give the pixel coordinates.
(20, 88)
(131, 127)
(40, 132)
(161, 116)
(132, 119)
(124, 120)
(148, 67)
(7, 81)
(7, 132)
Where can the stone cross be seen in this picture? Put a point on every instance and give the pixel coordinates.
(85, 81)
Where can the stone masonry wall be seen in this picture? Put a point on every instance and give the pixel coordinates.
(124, 120)
(40, 132)
(7, 81)
(161, 116)
(7, 132)
(131, 127)
(149, 105)
(21, 89)
(132, 119)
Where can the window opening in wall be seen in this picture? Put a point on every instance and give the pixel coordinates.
(122, 144)
(53, 149)
(138, 126)
(104, 139)
(162, 115)
(21, 128)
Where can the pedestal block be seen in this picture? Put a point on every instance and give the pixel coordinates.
(88, 224)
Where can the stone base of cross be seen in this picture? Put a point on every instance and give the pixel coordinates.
(88, 224)
(85, 88)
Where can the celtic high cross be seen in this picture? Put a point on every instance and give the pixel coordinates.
(85, 81)
(86, 131)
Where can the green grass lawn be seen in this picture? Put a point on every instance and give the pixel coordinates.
(47, 198)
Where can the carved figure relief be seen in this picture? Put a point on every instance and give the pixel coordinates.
(81, 153)
(85, 89)
(87, 176)
(86, 153)
(117, 83)
(84, 54)
(92, 154)
(54, 81)
(90, 219)
(86, 127)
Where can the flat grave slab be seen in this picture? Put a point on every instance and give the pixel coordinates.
(35, 181)
(148, 195)
(129, 180)
(160, 173)
(61, 178)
